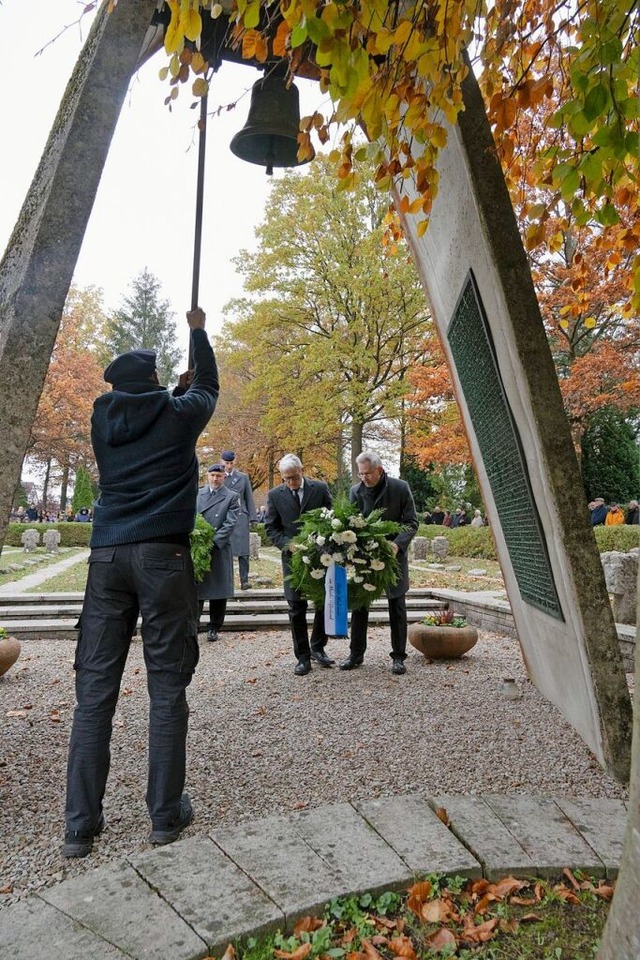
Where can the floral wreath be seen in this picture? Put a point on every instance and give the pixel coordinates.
(344, 536)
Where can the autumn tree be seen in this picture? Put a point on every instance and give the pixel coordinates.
(61, 433)
(145, 320)
(334, 318)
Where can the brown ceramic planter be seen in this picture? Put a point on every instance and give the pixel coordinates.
(442, 643)
(9, 653)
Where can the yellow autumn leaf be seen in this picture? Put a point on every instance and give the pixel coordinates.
(421, 228)
(198, 62)
(402, 32)
(249, 44)
(174, 37)
(200, 87)
(565, 310)
(191, 23)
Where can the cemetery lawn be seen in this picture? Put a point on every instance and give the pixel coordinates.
(510, 919)
(422, 573)
(30, 562)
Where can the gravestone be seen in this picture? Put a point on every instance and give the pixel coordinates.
(440, 547)
(420, 546)
(30, 540)
(621, 577)
(254, 546)
(51, 540)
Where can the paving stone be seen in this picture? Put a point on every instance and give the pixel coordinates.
(218, 900)
(274, 854)
(425, 844)
(115, 903)
(548, 836)
(344, 840)
(34, 929)
(602, 823)
(485, 835)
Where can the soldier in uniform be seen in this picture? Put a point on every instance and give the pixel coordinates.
(239, 482)
(220, 507)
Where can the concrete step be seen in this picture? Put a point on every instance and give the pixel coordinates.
(54, 611)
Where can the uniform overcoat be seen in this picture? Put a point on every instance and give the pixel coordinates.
(221, 509)
(396, 501)
(239, 483)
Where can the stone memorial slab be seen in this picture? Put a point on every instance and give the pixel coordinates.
(485, 835)
(602, 823)
(274, 855)
(33, 928)
(426, 845)
(215, 897)
(30, 540)
(51, 540)
(116, 904)
(420, 547)
(474, 267)
(344, 840)
(548, 836)
(440, 547)
(621, 577)
(254, 546)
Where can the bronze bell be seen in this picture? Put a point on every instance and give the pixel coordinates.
(270, 135)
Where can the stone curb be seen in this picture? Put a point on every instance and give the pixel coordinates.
(190, 899)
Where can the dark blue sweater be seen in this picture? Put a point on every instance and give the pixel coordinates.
(144, 442)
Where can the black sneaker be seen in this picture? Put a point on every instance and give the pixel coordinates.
(79, 843)
(163, 835)
(398, 667)
(212, 635)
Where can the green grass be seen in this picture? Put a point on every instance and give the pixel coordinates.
(16, 555)
(441, 917)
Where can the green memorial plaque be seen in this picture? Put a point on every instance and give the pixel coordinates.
(476, 363)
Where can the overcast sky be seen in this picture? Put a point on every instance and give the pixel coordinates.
(145, 207)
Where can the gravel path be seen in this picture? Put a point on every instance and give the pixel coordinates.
(262, 741)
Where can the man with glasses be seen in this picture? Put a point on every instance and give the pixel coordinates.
(378, 491)
(285, 505)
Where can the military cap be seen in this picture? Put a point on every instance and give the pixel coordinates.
(228, 455)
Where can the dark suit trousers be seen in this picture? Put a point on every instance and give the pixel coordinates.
(397, 622)
(299, 631)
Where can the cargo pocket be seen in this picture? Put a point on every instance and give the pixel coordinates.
(191, 650)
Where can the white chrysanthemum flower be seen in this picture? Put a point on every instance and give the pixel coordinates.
(337, 537)
(338, 557)
(358, 521)
(325, 513)
(336, 523)
(371, 545)
(359, 560)
(377, 565)
(369, 586)
(320, 540)
(349, 536)
(325, 559)
(358, 579)
(318, 574)
(306, 558)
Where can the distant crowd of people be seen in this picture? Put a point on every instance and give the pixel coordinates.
(457, 518)
(32, 515)
(613, 515)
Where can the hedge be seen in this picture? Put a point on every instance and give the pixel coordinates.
(477, 541)
(71, 534)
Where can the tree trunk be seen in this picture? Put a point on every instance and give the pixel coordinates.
(621, 939)
(63, 487)
(45, 487)
(357, 430)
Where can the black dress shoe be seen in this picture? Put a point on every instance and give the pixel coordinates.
(245, 585)
(212, 635)
(320, 657)
(302, 668)
(351, 662)
(398, 667)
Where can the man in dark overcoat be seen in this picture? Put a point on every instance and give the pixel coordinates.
(378, 491)
(285, 505)
(220, 507)
(240, 483)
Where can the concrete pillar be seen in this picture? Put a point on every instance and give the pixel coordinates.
(38, 264)
(477, 277)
